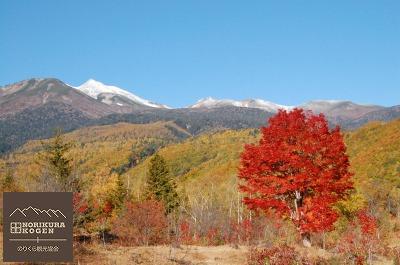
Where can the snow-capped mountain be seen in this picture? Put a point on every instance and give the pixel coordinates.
(322, 105)
(343, 109)
(113, 95)
(248, 103)
(338, 109)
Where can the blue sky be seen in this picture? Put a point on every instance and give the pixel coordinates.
(176, 52)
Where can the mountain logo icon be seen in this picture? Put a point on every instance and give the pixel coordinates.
(32, 210)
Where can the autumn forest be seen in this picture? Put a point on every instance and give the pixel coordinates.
(295, 191)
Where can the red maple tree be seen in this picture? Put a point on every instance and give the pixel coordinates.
(299, 169)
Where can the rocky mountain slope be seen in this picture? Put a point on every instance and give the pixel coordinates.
(340, 110)
(35, 93)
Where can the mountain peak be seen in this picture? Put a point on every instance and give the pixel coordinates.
(329, 101)
(92, 81)
(206, 99)
(94, 89)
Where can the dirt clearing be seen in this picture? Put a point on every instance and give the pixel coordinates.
(164, 255)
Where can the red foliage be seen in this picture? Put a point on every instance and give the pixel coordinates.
(79, 205)
(298, 160)
(185, 233)
(274, 256)
(368, 223)
(212, 237)
(241, 232)
(360, 241)
(142, 223)
(107, 208)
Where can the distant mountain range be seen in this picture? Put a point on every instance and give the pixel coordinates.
(31, 109)
(249, 103)
(86, 98)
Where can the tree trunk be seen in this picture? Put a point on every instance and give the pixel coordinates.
(296, 215)
(297, 203)
(306, 238)
(369, 261)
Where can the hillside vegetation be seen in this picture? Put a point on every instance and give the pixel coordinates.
(206, 161)
(98, 149)
(374, 151)
(112, 159)
(213, 159)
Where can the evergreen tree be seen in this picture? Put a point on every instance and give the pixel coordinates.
(57, 163)
(119, 195)
(8, 182)
(160, 185)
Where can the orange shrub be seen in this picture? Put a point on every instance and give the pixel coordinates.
(141, 223)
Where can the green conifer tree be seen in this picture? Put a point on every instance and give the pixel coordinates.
(120, 194)
(57, 163)
(8, 182)
(160, 185)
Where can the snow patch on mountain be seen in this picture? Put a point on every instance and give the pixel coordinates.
(248, 103)
(94, 88)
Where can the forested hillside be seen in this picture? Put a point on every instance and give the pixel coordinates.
(205, 165)
(375, 151)
(208, 159)
(97, 150)
(113, 162)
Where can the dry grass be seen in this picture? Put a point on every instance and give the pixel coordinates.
(164, 255)
(185, 255)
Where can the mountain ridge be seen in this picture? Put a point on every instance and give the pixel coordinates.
(210, 102)
(118, 97)
(32, 93)
(99, 90)
(33, 108)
